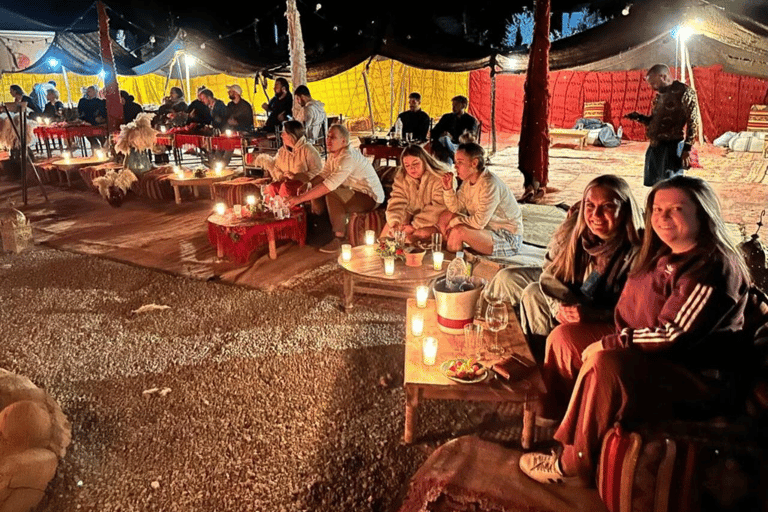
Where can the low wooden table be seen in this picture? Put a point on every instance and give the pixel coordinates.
(562, 134)
(422, 381)
(67, 165)
(238, 238)
(364, 273)
(381, 152)
(190, 181)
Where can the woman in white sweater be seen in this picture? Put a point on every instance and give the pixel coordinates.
(416, 201)
(296, 163)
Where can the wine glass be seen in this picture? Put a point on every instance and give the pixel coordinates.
(497, 318)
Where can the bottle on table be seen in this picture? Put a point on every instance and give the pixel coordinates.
(456, 273)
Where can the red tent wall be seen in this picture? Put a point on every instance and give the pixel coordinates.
(724, 99)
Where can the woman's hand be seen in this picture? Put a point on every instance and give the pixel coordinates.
(293, 201)
(569, 314)
(447, 179)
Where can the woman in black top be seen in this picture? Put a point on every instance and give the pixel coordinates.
(131, 109)
(54, 106)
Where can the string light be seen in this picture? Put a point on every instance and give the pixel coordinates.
(53, 62)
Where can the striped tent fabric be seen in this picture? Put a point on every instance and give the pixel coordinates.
(155, 184)
(758, 119)
(594, 110)
(236, 191)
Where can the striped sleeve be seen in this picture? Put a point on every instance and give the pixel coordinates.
(694, 310)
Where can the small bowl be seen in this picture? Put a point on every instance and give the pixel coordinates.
(414, 256)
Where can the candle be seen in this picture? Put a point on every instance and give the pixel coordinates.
(346, 252)
(429, 348)
(163, 129)
(66, 155)
(221, 208)
(370, 237)
(100, 154)
(219, 167)
(47, 121)
(251, 200)
(179, 171)
(437, 260)
(238, 209)
(422, 292)
(417, 324)
(228, 133)
(389, 265)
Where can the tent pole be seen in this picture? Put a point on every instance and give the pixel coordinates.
(493, 106)
(168, 78)
(368, 97)
(693, 86)
(186, 68)
(112, 91)
(66, 84)
(181, 75)
(391, 90)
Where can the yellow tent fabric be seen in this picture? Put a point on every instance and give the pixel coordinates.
(390, 83)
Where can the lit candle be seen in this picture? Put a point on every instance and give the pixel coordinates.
(251, 200)
(238, 209)
(422, 292)
(429, 348)
(417, 324)
(179, 171)
(437, 260)
(47, 121)
(370, 237)
(163, 129)
(100, 154)
(219, 167)
(389, 266)
(346, 252)
(221, 208)
(66, 156)
(228, 133)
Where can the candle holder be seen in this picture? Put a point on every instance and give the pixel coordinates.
(250, 200)
(66, 155)
(370, 237)
(221, 208)
(346, 252)
(389, 265)
(417, 324)
(429, 350)
(422, 293)
(437, 260)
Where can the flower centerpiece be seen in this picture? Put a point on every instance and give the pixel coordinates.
(389, 247)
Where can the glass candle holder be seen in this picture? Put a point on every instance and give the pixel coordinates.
(250, 200)
(389, 266)
(219, 168)
(100, 154)
(66, 155)
(370, 237)
(221, 208)
(429, 350)
(422, 292)
(163, 129)
(417, 324)
(437, 260)
(346, 252)
(228, 133)
(238, 209)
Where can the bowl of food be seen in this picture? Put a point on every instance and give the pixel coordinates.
(465, 371)
(414, 256)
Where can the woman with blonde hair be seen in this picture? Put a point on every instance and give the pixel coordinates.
(296, 163)
(677, 336)
(416, 201)
(585, 268)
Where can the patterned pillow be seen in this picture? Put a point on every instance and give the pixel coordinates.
(758, 119)
(594, 110)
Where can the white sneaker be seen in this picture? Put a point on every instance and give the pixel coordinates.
(545, 468)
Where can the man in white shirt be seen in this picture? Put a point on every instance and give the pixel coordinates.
(347, 182)
(312, 114)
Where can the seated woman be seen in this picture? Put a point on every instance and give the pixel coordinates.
(678, 323)
(347, 183)
(585, 268)
(416, 201)
(296, 163)
(53, 107)
(483, 214)
(131, 109)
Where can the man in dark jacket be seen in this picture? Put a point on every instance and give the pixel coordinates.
(446, 133)
(239, 111)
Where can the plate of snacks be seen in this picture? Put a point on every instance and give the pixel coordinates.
(465, 371)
